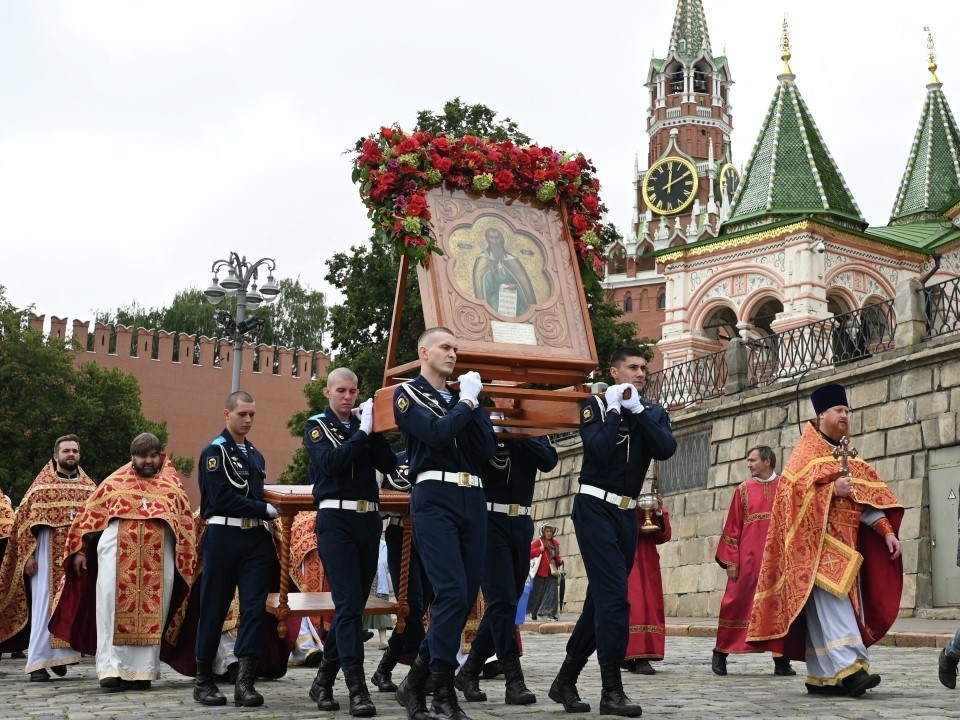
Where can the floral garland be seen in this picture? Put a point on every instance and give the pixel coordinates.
(396, 170)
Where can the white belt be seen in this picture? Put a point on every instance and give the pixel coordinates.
(360, 506)
(245, 523)
(624, 502)
(457, 478)
(395, 520)
(511, 510)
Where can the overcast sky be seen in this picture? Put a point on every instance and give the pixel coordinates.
(140, 141)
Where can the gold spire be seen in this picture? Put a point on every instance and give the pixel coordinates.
(931, 58)
(786, 73)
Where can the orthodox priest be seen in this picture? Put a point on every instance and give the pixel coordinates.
(131, 585)
(34, 556)
(831, 575)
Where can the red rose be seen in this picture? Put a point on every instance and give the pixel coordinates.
(416, 205)
(591, 203)
(570, 169)
(441, 144)
(470, 140)
(534, 153)
(493, 156)
(408, 145)
(503, 179)
(386, 132)
(371, 154)
(551, 174)
(444, 165)
(580, 223)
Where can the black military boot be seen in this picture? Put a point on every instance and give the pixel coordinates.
(360, 703)
(205, 690)
(321, 692)
(381, 678)
(244, 694)
(517, 691)
(564, 687)
(445, 705)
(410, 693)
(467, 679)
(947, 669)
(613, 701)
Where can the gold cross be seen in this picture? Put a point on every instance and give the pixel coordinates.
(843, 452)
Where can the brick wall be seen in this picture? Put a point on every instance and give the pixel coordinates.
(190, 396)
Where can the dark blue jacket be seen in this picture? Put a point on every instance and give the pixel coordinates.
(617, 449)
(439, 435)
(222, 462)
(510, 479)
(343, 463)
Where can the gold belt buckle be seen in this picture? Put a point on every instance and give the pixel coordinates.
(463, 479)
(246, 523)
(513, 510)
(625, 502)
(361, 506)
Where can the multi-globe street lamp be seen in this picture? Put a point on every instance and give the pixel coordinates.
(241, 280)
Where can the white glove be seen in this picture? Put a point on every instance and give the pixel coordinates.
(470, 386)
(272, 512)
(366, 416)
(632, 403)
(612, 396)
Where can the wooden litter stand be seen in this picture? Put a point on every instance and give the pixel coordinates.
(291, 499)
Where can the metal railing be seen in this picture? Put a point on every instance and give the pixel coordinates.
(688, 382)
(835, 340)
(941, 307)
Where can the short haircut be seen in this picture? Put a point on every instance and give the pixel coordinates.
(427, 334)
(235, 398)
(766, 454)
(341, 373)
(626, 351)
(63, 439)
(145, 444)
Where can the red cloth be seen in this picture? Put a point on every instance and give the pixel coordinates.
(741, 544)
(536, 550)
(800, 519)
(645, 593)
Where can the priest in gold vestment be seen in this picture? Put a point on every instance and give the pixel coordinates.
(132, 588)
(831, 575)
(33, 561)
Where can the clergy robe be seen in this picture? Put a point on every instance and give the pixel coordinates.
(645, 592)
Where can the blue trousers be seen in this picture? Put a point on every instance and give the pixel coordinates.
(418, 592)
(450, 529)
(607, 537)
(234, 560)
(506, 563)
(349, 547)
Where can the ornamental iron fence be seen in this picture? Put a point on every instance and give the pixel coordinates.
(688, 382)
(941, 307)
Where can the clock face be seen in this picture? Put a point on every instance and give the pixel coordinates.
(670, 185)
(729, 182)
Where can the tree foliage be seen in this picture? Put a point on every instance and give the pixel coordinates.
(460, 119)
(43, 396)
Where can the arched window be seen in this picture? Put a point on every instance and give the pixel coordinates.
(646, 263)
(628, 303)
(699, 80)
(675, 81)
(662, 300)
(617, 262)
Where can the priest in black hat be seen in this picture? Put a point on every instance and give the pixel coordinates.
(831, 575)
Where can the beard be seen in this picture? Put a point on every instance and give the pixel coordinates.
(68, 466)
(145, 469)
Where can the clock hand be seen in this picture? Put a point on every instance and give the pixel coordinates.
(671, 182)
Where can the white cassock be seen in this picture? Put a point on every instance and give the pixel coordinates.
(40, 655)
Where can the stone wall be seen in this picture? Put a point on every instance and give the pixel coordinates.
(905, 404)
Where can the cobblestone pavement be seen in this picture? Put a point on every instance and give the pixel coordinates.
(684, 687)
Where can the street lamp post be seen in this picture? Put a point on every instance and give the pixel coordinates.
(241, 280)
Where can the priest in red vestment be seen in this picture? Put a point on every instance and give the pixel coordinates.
(739, 552)
(645, 593)
(832, 574)
(125, 595)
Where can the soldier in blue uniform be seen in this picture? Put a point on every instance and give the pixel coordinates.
(508, 482)
(621, 434)
(449, 438)
(404, 644)
(238, 552)
(345, 454)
